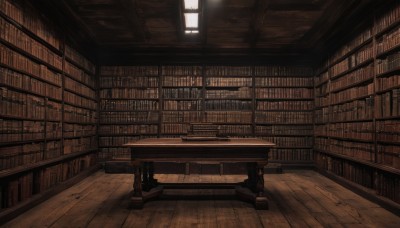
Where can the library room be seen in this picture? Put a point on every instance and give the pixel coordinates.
(199, 113)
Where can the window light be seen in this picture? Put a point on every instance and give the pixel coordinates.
(192, 20)
(191, 4)
(191, 31)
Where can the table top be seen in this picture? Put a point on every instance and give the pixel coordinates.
(177, 142)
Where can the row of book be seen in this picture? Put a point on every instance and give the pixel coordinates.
(128, 129)
(281, 117)
(13, 35)
(185, 93)
(234, 130)
(300, 142)
(77, 58)
(228, 117)
(354, 43)
(352, 93)
(139, 105)
(284, 93)
(79, 144)
(79, 115)
(352, 61)
(388, 155)
(239, 93)
(322, 115)
(74, 99)
(228, 71)
(388, 104)
(78, 130)
(229, 81)
(388, 185)
(182, 81)
(291, 154)
(384, 183)
(79, 75)
(389, 40)
(284, 82)
(129, 117)
(323, 77)
(15, 80)
(391, 62)
(352, 78)
(290, 71)
(390, 17)
(182, 70)
(354, 110)
(114, 153)
(228, 105)
(25, 186)
(358, 130)
(31, 20)
(128, 81)
(385, 83)
(389, 131)
(175, 128)
(284, 105)
(21, 105)
(129, 70)
(18, 130)
(79, 88)
(194, 105)
(300, 130)
(23, 64)
(149, 93)
(321, 101)
(30, 153)
(181, 117)
(322, 90)
(357, 173)
(116, 140)
(357, 150)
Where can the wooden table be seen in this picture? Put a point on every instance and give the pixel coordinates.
(250, 150)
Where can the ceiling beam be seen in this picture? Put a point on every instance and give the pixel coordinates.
(129, 9)
(257, 21)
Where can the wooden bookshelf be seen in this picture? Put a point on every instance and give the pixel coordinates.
(47, 120)
(357, 113)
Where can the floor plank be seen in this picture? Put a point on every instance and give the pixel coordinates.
(296, 199)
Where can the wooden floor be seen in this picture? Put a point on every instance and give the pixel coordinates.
(299, 199)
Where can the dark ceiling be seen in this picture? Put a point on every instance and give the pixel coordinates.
(235, 27)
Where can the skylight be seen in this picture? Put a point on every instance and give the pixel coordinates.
(191, 20)
(191, 4)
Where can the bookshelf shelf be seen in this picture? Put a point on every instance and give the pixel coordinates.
(284, 110)
(181, 99)
(350, 100)
(364, 81)
(388, 89)
(388, 118)
(75, 79)
(129, 123)
(25, 168)
(358, 66)
(126, 98)
(389, 72)
(388, 51)
(286, 99)
(79, 106)
(352, 139)
(387, 28)
(81, 95)
(264, 123)
(14, 143)
(388, 142)
(80, 122)
(367, 163)
(28, 74)
(30, 56)
(21, 90)
(81, 136)
(31, 34)
(351, 121)
(79, 66)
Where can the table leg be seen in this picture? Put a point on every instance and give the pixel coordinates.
(137, 196)
(251, 180)
(153, 182)
(261, 201)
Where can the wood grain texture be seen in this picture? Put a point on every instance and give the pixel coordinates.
(297, 199)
